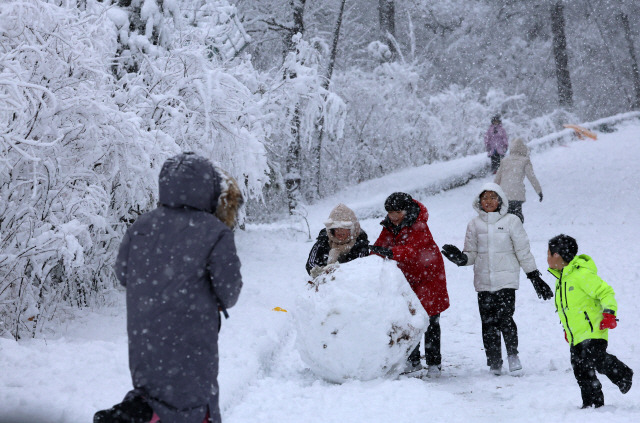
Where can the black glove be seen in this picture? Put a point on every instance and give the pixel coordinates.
(454, 254)
(541, 287)
(384, 252)
(540, 195)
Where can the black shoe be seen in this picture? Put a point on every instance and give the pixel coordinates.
(625, 384)
(591, 405)
(135, 410)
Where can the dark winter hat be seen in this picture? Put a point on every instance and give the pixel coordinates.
(564, 245)
(496, 119)
(398, 201)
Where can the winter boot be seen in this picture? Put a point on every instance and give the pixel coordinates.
(514, 363)
(412, 367)
(434, 370)
(133, 410)
(496, 369)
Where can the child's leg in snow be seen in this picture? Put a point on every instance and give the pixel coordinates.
(506, 308)
(432, 341)
(583, 360)
(610, 366)
(488, 305)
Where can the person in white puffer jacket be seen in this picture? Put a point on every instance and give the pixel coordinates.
(497, 245)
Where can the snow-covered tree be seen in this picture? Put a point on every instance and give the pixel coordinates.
(82, 148)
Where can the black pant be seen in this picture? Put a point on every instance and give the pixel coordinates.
(495, 161)
(431, 344)
(515, 207)
(496, 313)
(590, 356)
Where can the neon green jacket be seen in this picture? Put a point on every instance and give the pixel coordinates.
(581, 298)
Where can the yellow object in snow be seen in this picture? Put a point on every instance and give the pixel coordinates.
(279, 309)
(582, 132)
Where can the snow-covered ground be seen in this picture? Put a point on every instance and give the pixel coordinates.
(591, 191)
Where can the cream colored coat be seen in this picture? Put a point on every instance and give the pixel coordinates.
(513, 168)
(497, 245)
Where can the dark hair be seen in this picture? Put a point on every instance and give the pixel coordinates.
(398, 201)
(564, 245)
(496, 119)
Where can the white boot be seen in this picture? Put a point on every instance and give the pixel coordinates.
(434, 370)
(412, 367)
(514, 363)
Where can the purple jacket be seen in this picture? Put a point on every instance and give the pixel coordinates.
(496, 140)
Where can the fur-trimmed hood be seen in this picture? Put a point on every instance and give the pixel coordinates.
(342, 217)
(192, 181)
(230, 199)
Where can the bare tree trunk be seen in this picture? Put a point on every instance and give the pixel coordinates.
(634, 62)
(325, 85)
(387, 17)
(565, 92)
(292, 177)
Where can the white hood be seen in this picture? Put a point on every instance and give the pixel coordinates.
(490, 186)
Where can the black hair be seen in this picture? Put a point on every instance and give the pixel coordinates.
(398, 201)
(564, 245)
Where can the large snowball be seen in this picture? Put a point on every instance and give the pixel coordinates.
(359, 320)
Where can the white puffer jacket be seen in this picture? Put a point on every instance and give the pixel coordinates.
(514, 168)
(497, 245)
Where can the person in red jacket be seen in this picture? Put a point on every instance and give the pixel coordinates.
(406, 238)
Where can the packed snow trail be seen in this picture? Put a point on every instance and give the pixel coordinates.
(591, 191)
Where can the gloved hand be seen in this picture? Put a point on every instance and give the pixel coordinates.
(541, 287)
(565, 336)
(540, 195)
(382, 251)
(609, 321)
(454, 255)
(316, 271)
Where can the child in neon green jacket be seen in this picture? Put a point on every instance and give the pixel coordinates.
(587, 309)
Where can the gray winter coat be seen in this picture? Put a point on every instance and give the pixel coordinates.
(178, 263)
(513, 169)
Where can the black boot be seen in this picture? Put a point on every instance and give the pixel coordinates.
(625, 383)
(133, 410)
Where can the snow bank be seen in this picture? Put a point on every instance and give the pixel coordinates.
(358, 320)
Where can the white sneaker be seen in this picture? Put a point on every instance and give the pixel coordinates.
(410, 368)
(434, 370)
(514, 363)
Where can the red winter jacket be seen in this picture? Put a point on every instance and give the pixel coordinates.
(418, 257)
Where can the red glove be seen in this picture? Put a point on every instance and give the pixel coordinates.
(609, 321)
(565, 336)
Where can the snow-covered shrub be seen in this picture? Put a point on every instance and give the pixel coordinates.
(82, 145)
(359, 320)
(74, 167)
(294, 103)
(386, 122)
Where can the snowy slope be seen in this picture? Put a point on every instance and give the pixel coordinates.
(590, 192)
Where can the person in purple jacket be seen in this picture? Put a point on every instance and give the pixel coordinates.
(496, 142)
(179, 265)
